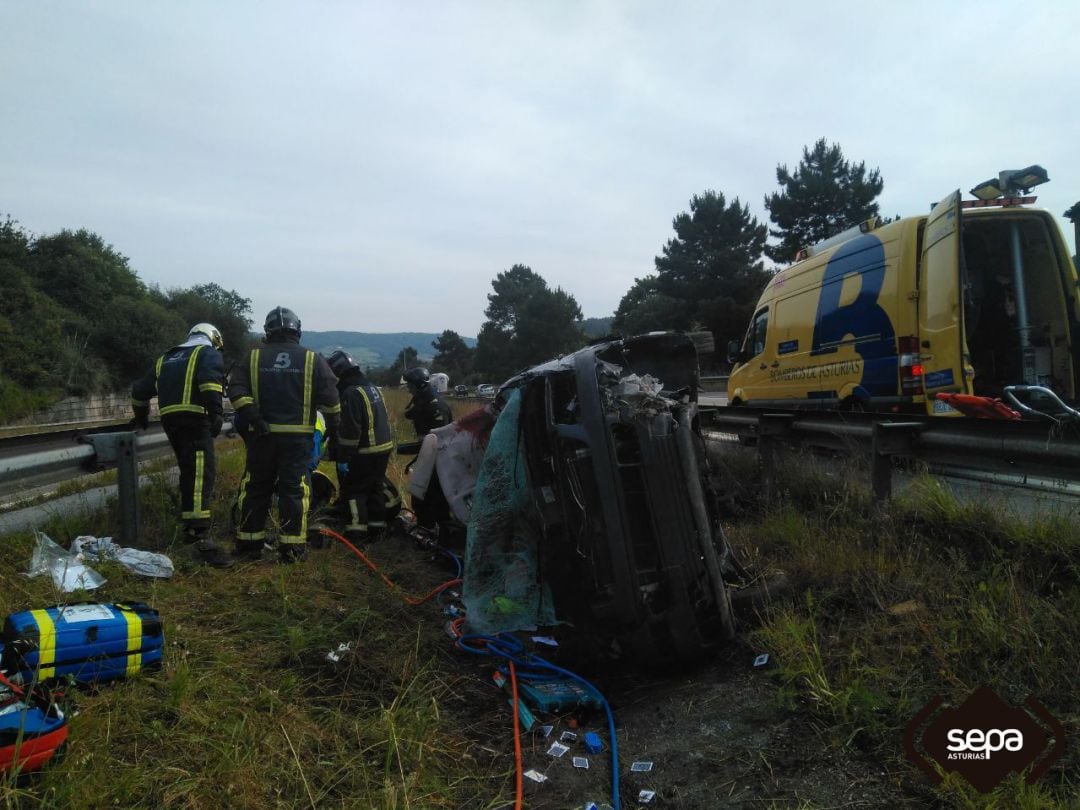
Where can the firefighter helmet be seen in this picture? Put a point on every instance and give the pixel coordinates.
(281, 319)
(416, 376)
(210, 331)
(341, 363)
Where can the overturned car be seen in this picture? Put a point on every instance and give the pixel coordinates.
(593, 505)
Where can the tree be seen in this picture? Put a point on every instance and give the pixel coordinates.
(452, 355)
(822, 197)
(527, 323)
(710, 275)
(229, 311)
(135, 333)
(82, 273)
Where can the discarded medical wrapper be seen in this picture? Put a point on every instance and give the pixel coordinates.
(546, 730)
(536, 776)
(557, 749)
(646, 796)
(641, 767)
(91, 642)
(581, 762)
(67, 570)
(568, 736)
(545, 640)
(342, 649)
(143, 563)
(761, 660)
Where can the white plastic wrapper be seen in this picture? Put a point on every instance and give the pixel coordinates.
(67, 570)
(143, 563)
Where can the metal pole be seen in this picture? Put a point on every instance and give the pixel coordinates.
(1023, 328)
(127, 488)
(880, 467)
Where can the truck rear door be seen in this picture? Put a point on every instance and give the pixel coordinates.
(941, 312)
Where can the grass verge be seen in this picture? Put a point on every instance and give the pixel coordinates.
(247, 711)
(927, 596)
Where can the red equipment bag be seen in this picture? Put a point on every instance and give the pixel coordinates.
(33, 729)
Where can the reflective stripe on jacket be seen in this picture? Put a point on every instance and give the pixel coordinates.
(287, 383)
(365, 425)
(186, 379)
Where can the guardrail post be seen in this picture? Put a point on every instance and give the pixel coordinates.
(889, 439)
(770, 427)
(127, 488)
(121, 449)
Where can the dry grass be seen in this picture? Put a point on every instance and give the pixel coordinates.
(927, 596)
(247, 712)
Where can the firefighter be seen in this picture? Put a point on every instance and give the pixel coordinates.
(426, 409)
(277, 392)
(364, 444)
(188, 382)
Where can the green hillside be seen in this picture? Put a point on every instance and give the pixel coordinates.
(374, 348)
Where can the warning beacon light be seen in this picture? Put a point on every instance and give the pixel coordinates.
(1011, 181)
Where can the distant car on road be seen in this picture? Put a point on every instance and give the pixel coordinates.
(461, 390)
(485, 391)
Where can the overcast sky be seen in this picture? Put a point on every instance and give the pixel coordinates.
(374, 165)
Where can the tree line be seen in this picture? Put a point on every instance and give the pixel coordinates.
(76, 318)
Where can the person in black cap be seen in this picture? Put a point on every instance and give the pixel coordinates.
(277, 393)
(426, 410)
(365, 441)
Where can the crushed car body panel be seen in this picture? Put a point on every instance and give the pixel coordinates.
(620, 510)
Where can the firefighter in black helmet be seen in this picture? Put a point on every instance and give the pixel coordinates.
(188, 381)
(426, 409)
(277, 392)
(364, 444)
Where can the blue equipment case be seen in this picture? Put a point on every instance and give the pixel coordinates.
(92, 642)
(559, 695)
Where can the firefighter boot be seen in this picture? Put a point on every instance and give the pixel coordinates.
(208, 553)
(291, 552)
(248, 550)
(194, 533)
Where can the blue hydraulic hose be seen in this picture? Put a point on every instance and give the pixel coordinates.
(510, 647)
(455, 558)
(537, 660)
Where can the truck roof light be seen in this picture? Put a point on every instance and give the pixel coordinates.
(850, 233)
(1003, 202)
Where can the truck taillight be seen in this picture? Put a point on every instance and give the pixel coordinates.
(911, 370)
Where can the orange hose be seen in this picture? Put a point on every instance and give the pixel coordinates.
(456, 624)
(519, 788)
(409, 600)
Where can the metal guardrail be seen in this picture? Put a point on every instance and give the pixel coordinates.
(95, 452)
(1027, 448)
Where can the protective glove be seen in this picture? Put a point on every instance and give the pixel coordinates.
(256, 424)
(336, 451)
(216, 422)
